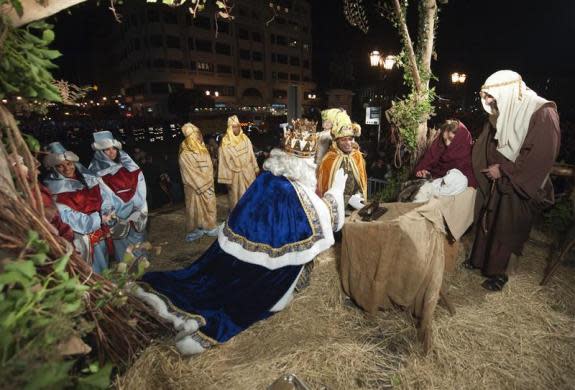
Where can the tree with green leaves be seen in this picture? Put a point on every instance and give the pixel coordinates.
(409, 115)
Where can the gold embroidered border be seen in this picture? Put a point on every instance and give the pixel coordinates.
(313, 220)
(204, 340)
(487, 86)
(331, 204)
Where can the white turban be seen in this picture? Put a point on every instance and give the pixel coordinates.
(515, 105)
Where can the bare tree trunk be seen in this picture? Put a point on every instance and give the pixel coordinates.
(35, 11)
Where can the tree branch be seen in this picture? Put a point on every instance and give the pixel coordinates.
(35, 11)
(428, 14)
(402, 25)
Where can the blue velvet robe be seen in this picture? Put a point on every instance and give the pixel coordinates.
(230, 289)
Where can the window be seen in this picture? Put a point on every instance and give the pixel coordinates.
(257, 56)
(306, 46)
(193, 65)
(156, 41)
(280, 21)
(306, 64)
(274, 57)
(294, 61)
(170, 17)
(139, 89)
(224, 69)
(191, 43)
(223, 27)
(175, 64)
(158, 63)
(273, 38)
(153, 16)
(246, 74)
(279, 93)
(282, 76)
(256, 37)
(223, 48)
(136, 44)
(293, 25)
(202, 45)
(282, 59)
(243, 34)
(173, 42)
(281, 40)
(159, 88)
(244, 54)
(294, 77)
(306, 78)
(258, 75)
(202, 22)
(292, 42)
(204, 67)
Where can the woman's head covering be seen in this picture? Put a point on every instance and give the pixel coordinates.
(104, 140)
(192, 142)
(57, 154)
(516, 103)
(230, 139)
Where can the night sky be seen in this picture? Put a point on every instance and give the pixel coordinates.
(534, 38)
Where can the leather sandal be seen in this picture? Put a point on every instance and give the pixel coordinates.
(495, 283)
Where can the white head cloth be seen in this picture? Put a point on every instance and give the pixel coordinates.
(516, 104)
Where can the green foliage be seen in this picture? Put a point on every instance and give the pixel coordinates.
(26, 60)
(393, 185)
(41, 307)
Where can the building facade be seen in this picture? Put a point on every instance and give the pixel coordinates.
(249, 61)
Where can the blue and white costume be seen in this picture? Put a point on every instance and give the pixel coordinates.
(81, 202)
(250, 272)
(125, 179)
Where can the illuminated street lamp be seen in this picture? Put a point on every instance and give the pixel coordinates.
(374, 58)
(311, 96)
(389, 62)
(207, 93)
(458, 78)
(216, 94)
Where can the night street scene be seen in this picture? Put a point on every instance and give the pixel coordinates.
(287, 194)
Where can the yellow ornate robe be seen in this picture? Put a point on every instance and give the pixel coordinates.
(237, 168)
(352, 163)
(198, 178)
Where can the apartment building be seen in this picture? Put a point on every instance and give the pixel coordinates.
(249, 61)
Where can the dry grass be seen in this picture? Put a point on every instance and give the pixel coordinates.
(521, 338)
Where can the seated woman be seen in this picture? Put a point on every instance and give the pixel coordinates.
(450, 150)
(83, 203)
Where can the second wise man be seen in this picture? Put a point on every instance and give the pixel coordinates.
(344, 153)
(198, 177)
(237, 164)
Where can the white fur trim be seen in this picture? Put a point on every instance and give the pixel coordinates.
(184, 326)
(292, 258)
(287, 297)
(53, 159)
(107, 143)
(189, 346)
(338, 196)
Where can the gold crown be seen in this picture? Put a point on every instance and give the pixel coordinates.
(301, 139)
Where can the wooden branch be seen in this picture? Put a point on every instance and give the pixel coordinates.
(428, 18)
(35, 11)
(402, 22)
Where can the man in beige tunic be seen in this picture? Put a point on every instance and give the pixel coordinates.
(198, 178)
(237, 165)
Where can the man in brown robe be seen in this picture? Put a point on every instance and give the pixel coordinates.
(198, 178)
(511, 160)
(237, 165)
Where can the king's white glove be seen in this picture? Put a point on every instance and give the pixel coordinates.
(356, 201)
(338, 184)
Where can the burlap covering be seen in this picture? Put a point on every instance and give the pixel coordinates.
(398, 259)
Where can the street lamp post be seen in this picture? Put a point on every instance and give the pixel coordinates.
(376, 59)
(458, 80)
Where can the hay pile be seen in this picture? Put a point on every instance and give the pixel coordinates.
(522, 338)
